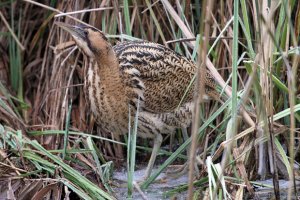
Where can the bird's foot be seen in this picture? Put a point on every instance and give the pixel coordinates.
(175, 171)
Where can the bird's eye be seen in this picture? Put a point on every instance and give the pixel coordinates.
(85, 32)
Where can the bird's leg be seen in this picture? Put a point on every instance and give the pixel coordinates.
(188, 152)
(182, 168)
(156, 146)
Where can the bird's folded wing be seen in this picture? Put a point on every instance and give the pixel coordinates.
(158, 73)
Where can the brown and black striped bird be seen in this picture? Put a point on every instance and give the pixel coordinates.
(117, 76)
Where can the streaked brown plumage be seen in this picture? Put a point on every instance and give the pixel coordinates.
(118, 76)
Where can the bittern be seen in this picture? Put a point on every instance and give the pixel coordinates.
(121, 75)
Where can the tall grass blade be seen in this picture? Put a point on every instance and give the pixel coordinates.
(127, 18)
(66, 135)
(132, 151)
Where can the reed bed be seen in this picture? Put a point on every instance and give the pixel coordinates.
(51, 147)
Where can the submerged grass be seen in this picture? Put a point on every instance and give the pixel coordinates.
(253, 47)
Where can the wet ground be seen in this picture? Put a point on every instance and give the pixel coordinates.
(166, 183)
(156, 190)
(266, 193)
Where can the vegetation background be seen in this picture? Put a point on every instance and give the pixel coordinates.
(50, 142)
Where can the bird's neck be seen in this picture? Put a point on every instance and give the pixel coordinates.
(105, 91)
(104, 71)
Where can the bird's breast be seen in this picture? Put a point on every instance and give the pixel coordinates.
(106, 101)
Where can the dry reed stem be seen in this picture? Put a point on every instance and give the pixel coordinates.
(199, 91)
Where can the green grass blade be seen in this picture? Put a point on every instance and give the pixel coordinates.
(132, 152)
(284, 156)
(66, 135)
(127, 18)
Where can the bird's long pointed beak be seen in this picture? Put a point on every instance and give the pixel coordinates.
(75, 31)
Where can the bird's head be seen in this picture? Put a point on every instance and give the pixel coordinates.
(89, 39)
